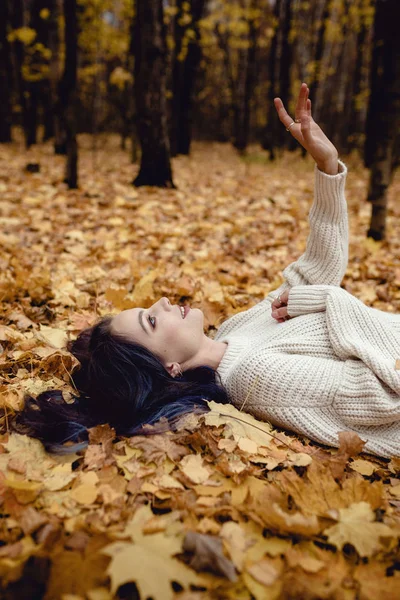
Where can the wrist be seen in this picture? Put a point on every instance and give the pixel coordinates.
(330, 167)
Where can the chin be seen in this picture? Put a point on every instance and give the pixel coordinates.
(197, 313)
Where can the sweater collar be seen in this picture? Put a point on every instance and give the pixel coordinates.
(235, 347)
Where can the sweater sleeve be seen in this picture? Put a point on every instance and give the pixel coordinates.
(325, 258)
(305, 299)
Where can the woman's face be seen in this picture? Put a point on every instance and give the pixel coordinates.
(163, 330)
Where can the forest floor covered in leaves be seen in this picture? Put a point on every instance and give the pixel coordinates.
(226, 506)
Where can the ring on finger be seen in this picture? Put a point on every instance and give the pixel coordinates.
(279, 299)
(297, 120)
(291, 125)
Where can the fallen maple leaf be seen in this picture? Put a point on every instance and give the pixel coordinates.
(356, 526)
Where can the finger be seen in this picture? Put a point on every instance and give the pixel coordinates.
(301, 100)
(276, 305)
(285, 296)
(280, 313)
(306, 128)
(282, 113)
(309, 107)
(281, 300)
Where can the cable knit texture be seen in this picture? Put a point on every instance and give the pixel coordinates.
(330, 368)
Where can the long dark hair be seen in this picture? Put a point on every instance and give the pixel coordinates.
(119, 382)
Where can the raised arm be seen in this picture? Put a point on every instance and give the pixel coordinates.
(325, 258)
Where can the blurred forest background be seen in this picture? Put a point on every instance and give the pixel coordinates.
(165, 72)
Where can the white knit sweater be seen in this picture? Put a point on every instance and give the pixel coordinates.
(331, 368)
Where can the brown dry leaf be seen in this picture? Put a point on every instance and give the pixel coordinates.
(319, 492)
(374, 582)
(356, 526)
(267, 506)
(207, 554)
(157, 447)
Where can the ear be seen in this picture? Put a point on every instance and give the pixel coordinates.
(174, 369)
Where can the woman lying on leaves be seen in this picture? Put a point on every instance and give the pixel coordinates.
(310, 357)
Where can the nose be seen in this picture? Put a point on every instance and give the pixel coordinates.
(165, 303)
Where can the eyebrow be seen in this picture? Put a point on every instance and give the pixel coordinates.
(141, 322)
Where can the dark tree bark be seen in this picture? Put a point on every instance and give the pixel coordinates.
(133, 112)
(17, 21)
(271, 129)
(280, 60)
(244, 89)
(358, 115)
(177, 77)
(38, 84)
(319, 51)
(343, 84)
(225, 107)
(49, 91)
(67, 92)
(5, 73)
(183, 74)
(383, 120)
(150, 75)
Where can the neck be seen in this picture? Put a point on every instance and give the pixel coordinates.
(210, 354)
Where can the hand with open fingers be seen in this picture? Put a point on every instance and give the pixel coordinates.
(308, 133)
(279, 307)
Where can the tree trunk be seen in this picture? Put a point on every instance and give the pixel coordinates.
(285, 62)
(225, 108)
(35, 83)
(5, 72)
(51, 126)
(150, 75)
(358, 116)
(280, 60)
(67, 92)
(319, 52)
(17, 21)
(133, 113)
(343, 84)
(383, 120)
(184, 72)
(245, 86)
(31, 113)
(271, 128)
(177, 75)
(190, 69)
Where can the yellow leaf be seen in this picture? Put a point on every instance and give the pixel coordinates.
(192, 466)
(356, 526)
(55, 337)
(149, 563)
(24, 491)
(85, 493)
(238, 423)
(363, 466)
